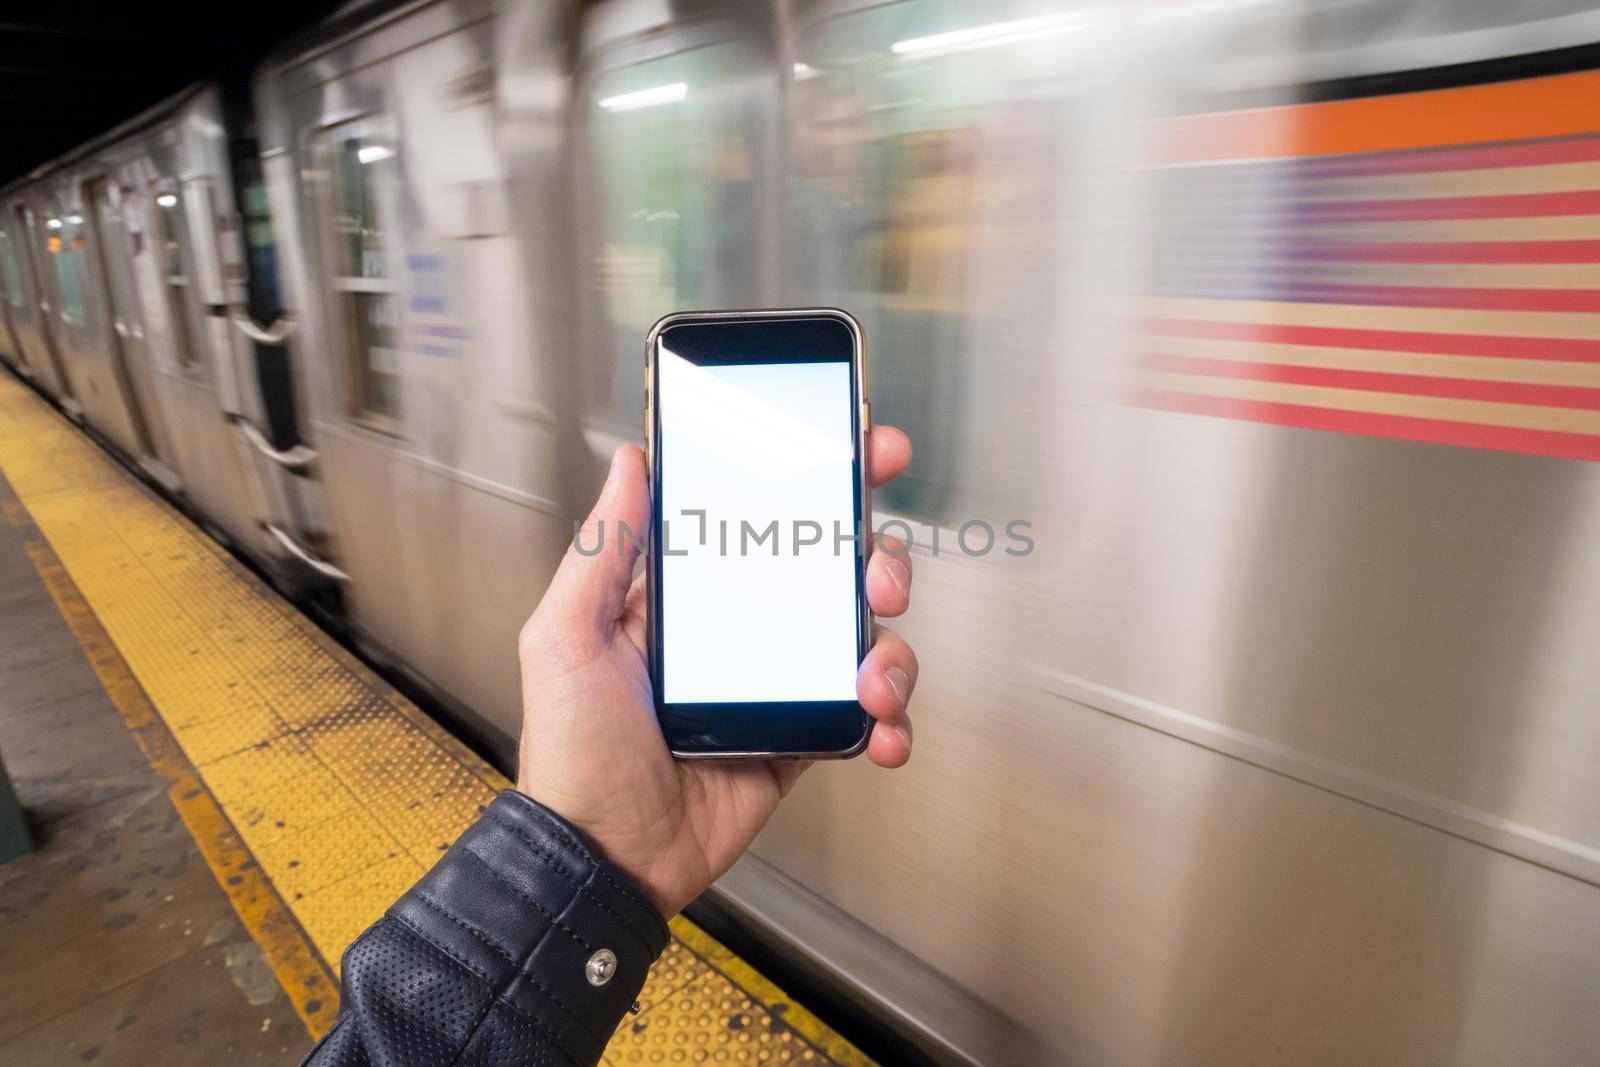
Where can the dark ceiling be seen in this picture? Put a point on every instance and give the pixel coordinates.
(71, 70)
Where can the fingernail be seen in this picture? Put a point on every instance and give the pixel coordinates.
(900, 683)
(905, 735)
(899, 574)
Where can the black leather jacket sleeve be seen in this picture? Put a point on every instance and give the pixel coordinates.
(521, 946)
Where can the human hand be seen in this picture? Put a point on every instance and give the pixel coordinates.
(591, 749)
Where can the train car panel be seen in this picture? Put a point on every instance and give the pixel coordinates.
(427, 399)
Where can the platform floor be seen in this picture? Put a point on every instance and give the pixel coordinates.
(311, 792)
(119, 945)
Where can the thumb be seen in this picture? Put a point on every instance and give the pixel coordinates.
(591, 585)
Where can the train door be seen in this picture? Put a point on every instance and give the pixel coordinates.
(81, 322)
(679, 159)
(108, 267)
(33, 319)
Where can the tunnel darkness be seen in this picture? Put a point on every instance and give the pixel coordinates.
(70, 71)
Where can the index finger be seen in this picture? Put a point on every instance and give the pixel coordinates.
(888, 454)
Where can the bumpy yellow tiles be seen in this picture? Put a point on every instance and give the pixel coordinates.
(342, 790)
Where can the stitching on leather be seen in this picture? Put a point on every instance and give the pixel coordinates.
(504, 953)
(495, 996)
(550, 860)
(468, 964)
(537, 945)
(527, 897)
(483, 936)
(561, 832)
(551, 995)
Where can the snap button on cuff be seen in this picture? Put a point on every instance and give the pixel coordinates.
(601, 966)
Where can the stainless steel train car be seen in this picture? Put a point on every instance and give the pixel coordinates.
(124, 269)
(1277, 322)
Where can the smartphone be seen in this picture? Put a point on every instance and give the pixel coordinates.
(755, 430)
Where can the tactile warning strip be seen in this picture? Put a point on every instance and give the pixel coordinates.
(343, 791)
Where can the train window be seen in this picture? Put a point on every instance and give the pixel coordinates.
(63, 240)
(676, 147)
(363, 176)
(10, 273)
(929, 159)
(171, 250)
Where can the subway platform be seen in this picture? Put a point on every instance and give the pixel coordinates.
(222, 797)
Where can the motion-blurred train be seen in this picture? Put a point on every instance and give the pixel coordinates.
(1279, 321)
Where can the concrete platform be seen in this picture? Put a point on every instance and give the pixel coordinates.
(120, 946)
(266, 798)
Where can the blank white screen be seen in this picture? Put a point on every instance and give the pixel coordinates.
(756, 443)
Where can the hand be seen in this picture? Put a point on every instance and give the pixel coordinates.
(591, 749)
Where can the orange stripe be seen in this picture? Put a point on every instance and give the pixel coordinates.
(1557, 106)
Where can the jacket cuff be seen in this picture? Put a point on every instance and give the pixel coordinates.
(563, 936)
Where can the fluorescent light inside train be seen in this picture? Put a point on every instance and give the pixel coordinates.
(167, 200)
(804, 72)
(995, 33)
(52, 224)
(374, 153)
(74, 220)
(661, 94)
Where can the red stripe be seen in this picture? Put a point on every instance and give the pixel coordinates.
(1554, 396)
(1452, 251)
(1507, 206)
(1441, 296)
(1527, 154)
(1556, 349)
(1438, 431)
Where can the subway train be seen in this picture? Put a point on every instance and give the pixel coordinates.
(1278, 322)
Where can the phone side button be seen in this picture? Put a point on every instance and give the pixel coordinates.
(866, 414)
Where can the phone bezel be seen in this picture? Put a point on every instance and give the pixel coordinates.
(793, 729)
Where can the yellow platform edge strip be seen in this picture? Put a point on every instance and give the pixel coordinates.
(300, 970)
(702, 1003)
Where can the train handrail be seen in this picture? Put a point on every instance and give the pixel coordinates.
(275, 335)
(298, 458)
(305, 555)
